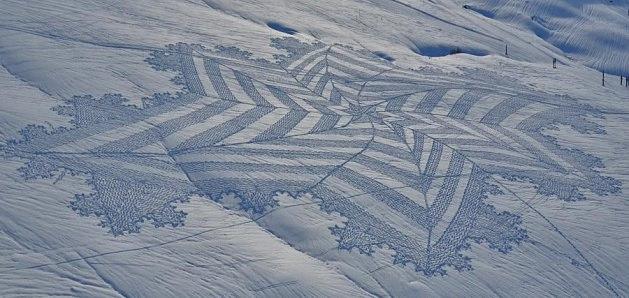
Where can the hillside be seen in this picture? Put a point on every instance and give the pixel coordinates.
(313, 148)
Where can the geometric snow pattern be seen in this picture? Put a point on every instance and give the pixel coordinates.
(406, 157)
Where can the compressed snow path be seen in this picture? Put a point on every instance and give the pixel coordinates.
(295, 148)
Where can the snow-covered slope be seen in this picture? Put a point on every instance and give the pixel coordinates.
(595, 32)
(313, 148)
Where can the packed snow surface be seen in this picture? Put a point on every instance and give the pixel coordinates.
(314, 148)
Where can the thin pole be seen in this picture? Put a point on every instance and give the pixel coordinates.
(603, 78)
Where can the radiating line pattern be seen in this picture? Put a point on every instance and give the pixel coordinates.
(406, 157)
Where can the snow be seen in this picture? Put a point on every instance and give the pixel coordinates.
(594, 32)
(313, 148)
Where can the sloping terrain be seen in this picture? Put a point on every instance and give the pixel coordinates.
(299, 148)
(595, 32)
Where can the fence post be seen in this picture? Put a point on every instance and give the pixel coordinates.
(603, 78)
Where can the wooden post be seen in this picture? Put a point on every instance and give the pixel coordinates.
(554, 62)
(603, 78)
(506, 50)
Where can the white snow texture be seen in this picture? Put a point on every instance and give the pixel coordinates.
(329, 148)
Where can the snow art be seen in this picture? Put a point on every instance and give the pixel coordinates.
(344, 126)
